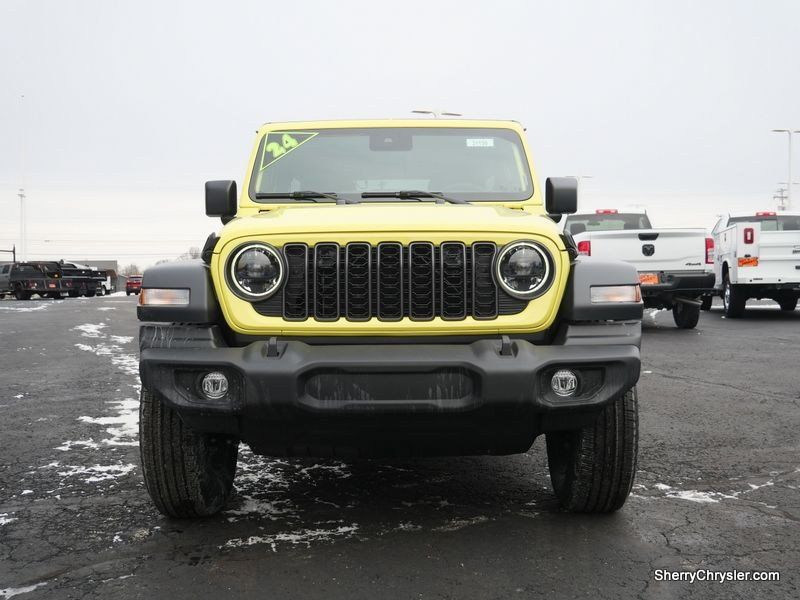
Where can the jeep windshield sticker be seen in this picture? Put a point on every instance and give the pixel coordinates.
(281, 143)
(480, 142)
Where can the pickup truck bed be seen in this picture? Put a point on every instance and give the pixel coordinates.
(673, 264)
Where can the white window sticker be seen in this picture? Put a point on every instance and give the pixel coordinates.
(480, 142)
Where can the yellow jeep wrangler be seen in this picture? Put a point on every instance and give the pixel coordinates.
(389, 288)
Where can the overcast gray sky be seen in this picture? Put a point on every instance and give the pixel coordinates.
(130, 106)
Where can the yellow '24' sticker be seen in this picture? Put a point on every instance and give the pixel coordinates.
(280, 143)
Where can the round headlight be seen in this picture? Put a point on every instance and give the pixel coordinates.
(523, 269)
(256, 271)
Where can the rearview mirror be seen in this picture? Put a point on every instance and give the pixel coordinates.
(561, 195)
(221, 199)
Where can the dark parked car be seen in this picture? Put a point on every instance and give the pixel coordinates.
(133, 285)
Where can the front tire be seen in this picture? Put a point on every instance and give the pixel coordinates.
(788, 302)
(22, 295)
(685, 315)
(188, 474)
(592, 468)
(733, 299)
(706, 301)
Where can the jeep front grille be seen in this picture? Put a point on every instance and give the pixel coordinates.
(389, 281)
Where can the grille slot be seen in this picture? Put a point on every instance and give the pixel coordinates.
(484, 290)
(326, 282)
(421, 281)
(359, 281)
(454, 280)
(295, 290)
(390, 281)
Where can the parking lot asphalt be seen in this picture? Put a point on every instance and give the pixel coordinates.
(716, 488)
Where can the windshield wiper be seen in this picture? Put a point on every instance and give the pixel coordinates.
(305, 195)
(414, 195)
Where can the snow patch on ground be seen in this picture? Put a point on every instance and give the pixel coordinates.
(303, 537)
(121, 426)
(5, 519)
(24, 309)
(709, 496)
(91, 330)
(271, 510)
(124, 426)
(694, 496)
(7, 593)
(106, 308)
(127, 363)
(69, 445)
(97, 473)
(456, 524)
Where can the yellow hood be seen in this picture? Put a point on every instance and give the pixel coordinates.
(385, 217)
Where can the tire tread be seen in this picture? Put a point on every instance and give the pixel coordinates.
(177, 461)
(599, 459)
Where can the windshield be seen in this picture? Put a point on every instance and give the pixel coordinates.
(463, 163)
(771, 222)
(576, 224)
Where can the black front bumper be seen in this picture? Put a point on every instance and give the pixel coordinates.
(289, 397)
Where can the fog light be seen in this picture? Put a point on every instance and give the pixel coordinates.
(214, 385)
(564, 383)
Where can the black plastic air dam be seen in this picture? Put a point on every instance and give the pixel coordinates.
(358, 396)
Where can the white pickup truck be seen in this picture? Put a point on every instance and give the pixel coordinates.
(675, 265)
(757, 256)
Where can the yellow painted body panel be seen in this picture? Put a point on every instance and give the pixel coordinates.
(403, 222)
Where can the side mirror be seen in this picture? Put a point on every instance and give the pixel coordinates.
(221, 199)
(561, 195)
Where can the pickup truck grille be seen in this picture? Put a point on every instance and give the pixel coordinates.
(389, 281)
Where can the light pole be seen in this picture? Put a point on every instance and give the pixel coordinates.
(23, 246)
(788, 133)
